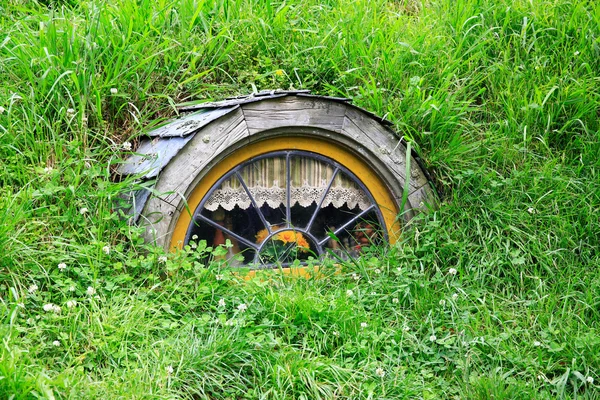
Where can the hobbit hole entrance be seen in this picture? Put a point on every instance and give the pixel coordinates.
(280, 177)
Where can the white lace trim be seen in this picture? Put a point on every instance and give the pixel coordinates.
(228, 197)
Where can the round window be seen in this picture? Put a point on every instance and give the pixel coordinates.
(279, 177)
(287, 206)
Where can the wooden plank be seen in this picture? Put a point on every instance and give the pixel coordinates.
(213, 141)
(384, 143)
(294, 111)
(157, 217)
(379, 141)
(423, 198)
(181, 175)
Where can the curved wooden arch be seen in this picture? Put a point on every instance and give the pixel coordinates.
(227, 133)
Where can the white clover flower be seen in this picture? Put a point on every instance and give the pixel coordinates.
(169, 370)
(363, 325)
(90, 291)
(106, 250)
(221, 302)
(2, 109)
(162, 259)
(71, 303)
(242, 307)
(589, 380)
(194, 237)
(62, 266)
(48, 170)
(219, 277)
(71, 288)
(380, 372)
(51, 308)
(433, 338)
(531, 210)
(537, 343)
(83, 210)
(395, 300)
(377, 271)
(33, 288)
(452, 271)
(442, 302)
(335, 333)
(56, 343)
(349, 293)
(126, 146)
(114, 91)
(70, 111)
(398, 269)
(355, 276)
(576, 53)
(455, 296)
(373, 293)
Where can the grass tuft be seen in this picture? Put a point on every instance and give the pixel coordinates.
(493, 295)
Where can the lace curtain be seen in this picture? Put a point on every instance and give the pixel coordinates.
(266, 181)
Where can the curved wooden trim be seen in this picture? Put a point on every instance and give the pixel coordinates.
(370, 179)
(290, 120)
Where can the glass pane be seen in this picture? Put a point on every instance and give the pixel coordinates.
(239, 253)
(346, 192)
(356, 237)
(286, 246)
(230, 207)
(243, 222)
(266, 180)
(344, 201)
(309, 178)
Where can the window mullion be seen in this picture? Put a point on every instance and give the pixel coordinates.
(323, 196)
(227, 231)
(350, 222)
(256, 207)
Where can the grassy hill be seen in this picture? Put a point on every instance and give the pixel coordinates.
(495, 295)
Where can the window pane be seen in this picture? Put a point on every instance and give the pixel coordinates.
(352, 240)
(229, 206)
(287, 246)
(309, 178)
(344, 201)
(251, 209)
(266, 180)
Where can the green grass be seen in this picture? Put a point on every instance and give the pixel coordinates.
(500, 98)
